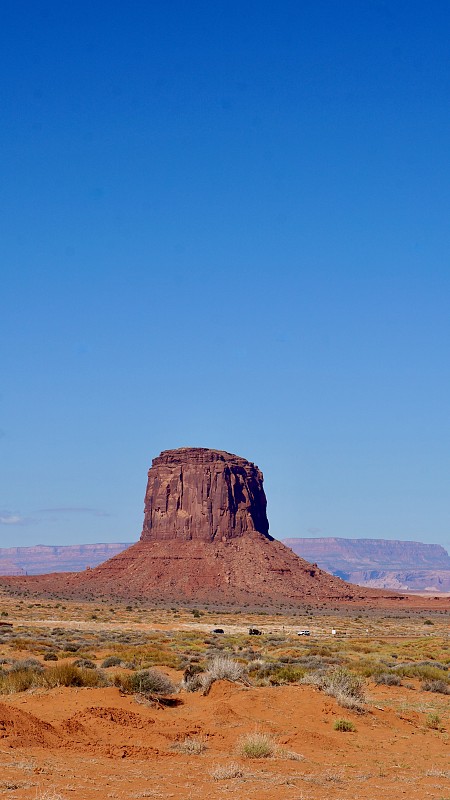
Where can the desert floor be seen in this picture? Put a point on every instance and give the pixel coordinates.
(101, 742)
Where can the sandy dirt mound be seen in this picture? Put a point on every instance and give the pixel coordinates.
(21, 729)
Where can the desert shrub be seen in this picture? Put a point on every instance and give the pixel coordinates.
(423, 670)
(343, 725)
(439, 686)
(276, 639)
(347, 688)
(111, 661)
(433, 721)
(224, 772)
(192, 678)
(369, 668)
(259, 671)
(69, 647)
(221, 668)
(31, 664)
(146, 681)
(85, 663)
(190, 746)
(70, 675)
(50, 657)
(287, 674)
(256, 745)
(388, 679)
(225, 668)
(193, 683)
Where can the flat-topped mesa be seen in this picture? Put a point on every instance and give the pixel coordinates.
(202, 494)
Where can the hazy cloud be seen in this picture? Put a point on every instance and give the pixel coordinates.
(314, 531)
(6, 518)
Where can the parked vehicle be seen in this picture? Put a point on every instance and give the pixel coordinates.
(217, 630)
(304, 633)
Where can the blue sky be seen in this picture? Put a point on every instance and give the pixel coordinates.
(225, 225)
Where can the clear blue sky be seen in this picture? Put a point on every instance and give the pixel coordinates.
(225, 224)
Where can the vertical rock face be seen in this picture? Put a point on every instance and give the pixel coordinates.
(201, 494)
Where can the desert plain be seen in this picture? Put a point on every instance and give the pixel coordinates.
(361, 713)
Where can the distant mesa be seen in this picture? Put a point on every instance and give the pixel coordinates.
(41, 558)
(379, 563)
(205, 539)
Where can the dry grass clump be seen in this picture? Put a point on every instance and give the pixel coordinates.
(437, 773)
(345, 686)
(221, 668)
(21, 678)
(146, 682)
(190, 746)
(257, 745)
(225, 668)
(70, 675)
(225, 772)
(13, 682)
(289, 755)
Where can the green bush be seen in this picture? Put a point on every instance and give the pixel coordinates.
(423, 671)
(343, 725)
(286, 674)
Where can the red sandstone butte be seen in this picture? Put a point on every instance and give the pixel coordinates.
(205, 540)
(204, 495)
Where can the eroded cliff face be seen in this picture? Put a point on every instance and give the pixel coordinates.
(201, 494)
